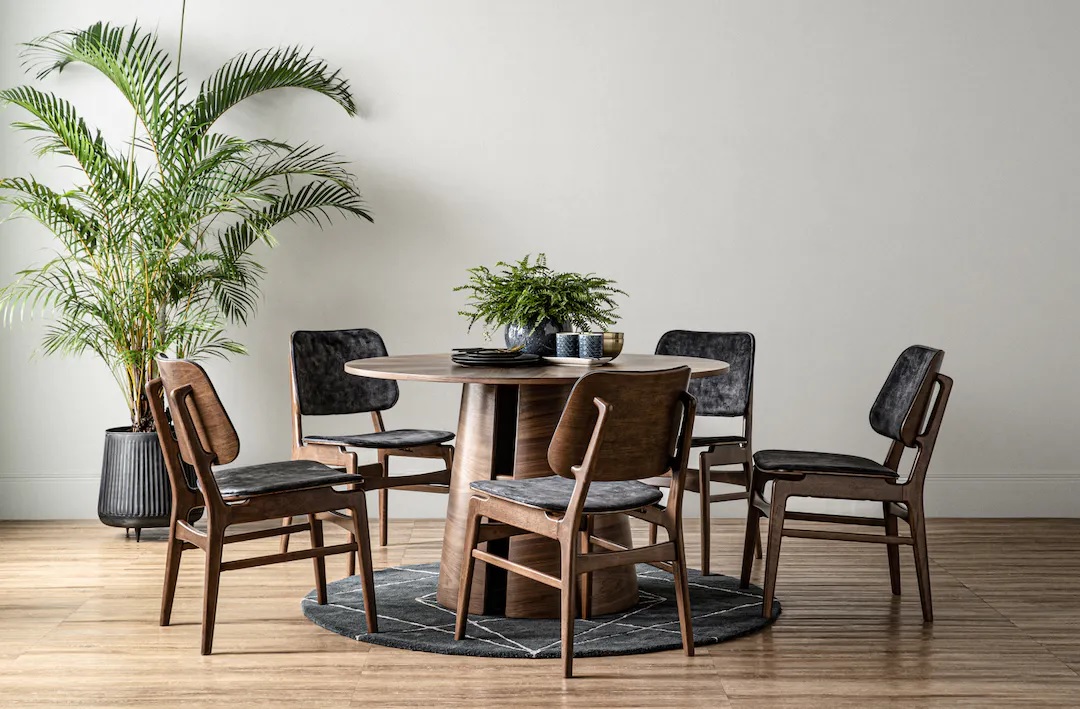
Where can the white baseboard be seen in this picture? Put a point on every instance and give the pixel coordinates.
(1047, 494)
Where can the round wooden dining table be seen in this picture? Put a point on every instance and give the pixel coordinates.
(506, 421)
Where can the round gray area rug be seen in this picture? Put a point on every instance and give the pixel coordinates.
(411, 619)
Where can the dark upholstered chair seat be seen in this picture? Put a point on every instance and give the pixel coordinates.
(813, 462)
(322, 387)
(251, 480)
(400, 438)
(701, 441)
(553, 493)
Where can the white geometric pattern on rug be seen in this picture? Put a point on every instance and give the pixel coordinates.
(411, 618)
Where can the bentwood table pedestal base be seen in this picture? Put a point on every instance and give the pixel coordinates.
(505, 429)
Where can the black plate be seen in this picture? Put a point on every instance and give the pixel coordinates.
(519, 360)
(489, 356)
(478, 352)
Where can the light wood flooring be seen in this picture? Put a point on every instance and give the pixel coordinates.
(79, 607)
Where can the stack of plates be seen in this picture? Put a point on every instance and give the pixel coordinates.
(480, 357)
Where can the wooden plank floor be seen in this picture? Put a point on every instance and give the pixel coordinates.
(79, 606)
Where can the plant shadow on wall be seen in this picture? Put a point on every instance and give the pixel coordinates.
(155, 239)
(533, 302)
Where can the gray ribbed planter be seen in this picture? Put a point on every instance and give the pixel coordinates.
(135, 491)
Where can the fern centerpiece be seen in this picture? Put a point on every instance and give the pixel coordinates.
(532, 302)
(154, 239)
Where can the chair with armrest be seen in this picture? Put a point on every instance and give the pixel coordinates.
(908, 410)
(728, 395)
(616, 429)
(321, 387)
(205, 439)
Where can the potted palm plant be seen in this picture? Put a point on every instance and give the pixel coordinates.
(155, 238)
(532, 302)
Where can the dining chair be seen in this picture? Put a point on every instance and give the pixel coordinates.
(729, 395)
(201, 435)
(616, 429)
(321, 387)
(908, 410)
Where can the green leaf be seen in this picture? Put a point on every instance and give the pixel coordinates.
(246, 75)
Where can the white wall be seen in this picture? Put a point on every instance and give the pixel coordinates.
(841, 178)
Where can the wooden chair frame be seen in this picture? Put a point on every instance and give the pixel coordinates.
(185, 446)
(724, 453)
(739, 453)
(900, 500)
(376, 476)
(573, 531)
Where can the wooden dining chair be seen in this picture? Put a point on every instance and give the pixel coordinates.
(616, 429)
(321, 387)
(908, 410)
(729, 395)
(204, 439)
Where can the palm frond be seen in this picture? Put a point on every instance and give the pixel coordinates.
(60, 130)
(246, 75)
(129, 57)
(314, 202)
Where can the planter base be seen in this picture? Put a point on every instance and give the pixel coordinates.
(135, 491)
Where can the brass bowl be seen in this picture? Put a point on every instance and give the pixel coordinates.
(613, 344)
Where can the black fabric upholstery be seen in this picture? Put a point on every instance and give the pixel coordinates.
(401, 438)
(906, 389)
(725, 394)
(323, 387)
(813, 462)
(266, 478)
(553, 493)
(701, 441)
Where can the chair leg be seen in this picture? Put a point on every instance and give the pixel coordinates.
(367, 574)
(384, 502)
(652, 534)
(748, 468)
(682, 597)
(704, 490)
(172, 570)
(319, 562)
(917, 521)
(772, 560)
(448, 458)
(285, 537)
(569, 595)
(893, 550)
(752, 538)
(352, 556)
(586, 578)
(472, 531)
(215, 542)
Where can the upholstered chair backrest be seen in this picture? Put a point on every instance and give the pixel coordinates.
(642, 431)
(901, 405)
(726, 394)
(321, 384)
